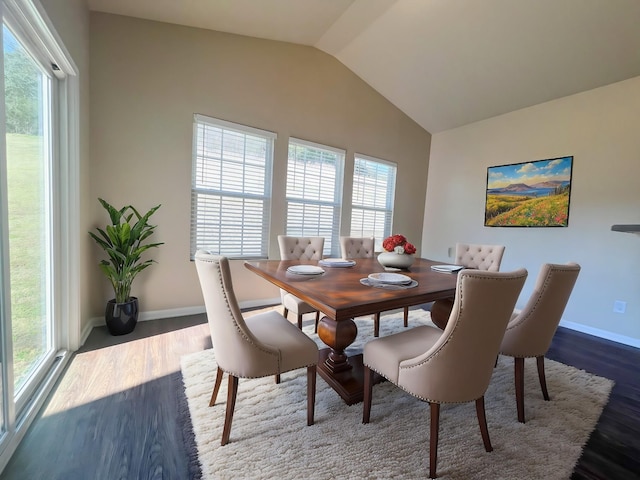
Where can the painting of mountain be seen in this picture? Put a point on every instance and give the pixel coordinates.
(529, 194)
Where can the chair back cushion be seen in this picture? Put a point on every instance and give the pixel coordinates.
(529, 333)
(237, 350)
(357, 247)
(458, 367)
(300, 248)
(482, 257)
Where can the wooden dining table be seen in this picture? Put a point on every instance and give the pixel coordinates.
(340, 296)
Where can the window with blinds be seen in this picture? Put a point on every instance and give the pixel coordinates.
(314, 192)
(231, 188)
(374, 183)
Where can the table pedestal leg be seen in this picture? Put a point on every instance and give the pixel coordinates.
(344, 374)
(440, 311)
(338, 336)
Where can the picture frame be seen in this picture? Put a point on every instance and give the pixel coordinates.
(529, 194)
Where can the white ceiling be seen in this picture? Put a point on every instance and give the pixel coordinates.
(445, 63)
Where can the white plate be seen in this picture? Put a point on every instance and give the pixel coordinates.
(390, 278)
(447, 268)
(305, 270)
(336, 262)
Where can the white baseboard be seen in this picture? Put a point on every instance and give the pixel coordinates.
(597, 332)
(184, 311)
(173, 312)
(259, 303)
(91, 324)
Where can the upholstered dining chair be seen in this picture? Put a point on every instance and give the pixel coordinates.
(364, 247)
(453, 366)
(469, 255)
(299, 248)
(357, 247)
(262, 345)
(482, 257)
(529, 332)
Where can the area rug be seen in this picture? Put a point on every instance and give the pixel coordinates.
(270, 438)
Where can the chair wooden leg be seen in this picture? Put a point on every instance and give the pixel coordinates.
(277, 378)
(482, 421)
(285, 312)
(433, 440)
(541, 377)
(231, 405)
(216, 387)
(317, 321)
(311, 394)
(368, 391)
(519, 376)
(300, 321)
(406, 317)
(376, 324)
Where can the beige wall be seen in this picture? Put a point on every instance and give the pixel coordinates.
(147, 81)
(600, 129)
(70, 18)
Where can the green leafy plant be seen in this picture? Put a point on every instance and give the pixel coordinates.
(123, 243)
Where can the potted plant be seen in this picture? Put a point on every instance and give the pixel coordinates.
(123, 242)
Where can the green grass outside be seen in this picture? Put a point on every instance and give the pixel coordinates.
(27, 254)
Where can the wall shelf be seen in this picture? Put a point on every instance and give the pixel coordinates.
(635, 228)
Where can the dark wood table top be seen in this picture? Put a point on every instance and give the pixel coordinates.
(339, 294)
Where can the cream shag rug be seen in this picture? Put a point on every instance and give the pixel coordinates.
(270, 438)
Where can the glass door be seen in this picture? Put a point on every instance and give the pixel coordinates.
(28, 180)
(26, 242)
(39, 302)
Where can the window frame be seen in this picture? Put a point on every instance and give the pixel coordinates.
(331, 244)
(388, 210)
(198, 191)
(30, 24)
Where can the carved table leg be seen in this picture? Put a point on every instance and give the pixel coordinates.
(338, 336)
(440, 312)
(344, 374)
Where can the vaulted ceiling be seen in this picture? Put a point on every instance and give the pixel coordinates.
(445, 63)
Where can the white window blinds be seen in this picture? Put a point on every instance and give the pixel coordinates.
(231, 188)
(314, 192)
(374, 184)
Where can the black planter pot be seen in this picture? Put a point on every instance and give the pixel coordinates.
(121, 317)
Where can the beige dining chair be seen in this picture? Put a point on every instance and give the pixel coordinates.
(259, 346)
(364, 247)
(357, 247)
(454, 365)
(482, 257)
(299, 248)
(469, 255)
(529, 332)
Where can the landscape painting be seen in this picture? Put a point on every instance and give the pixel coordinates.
(529, 194)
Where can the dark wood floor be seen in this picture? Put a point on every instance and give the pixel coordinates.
(116, 412)
(613, 450)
